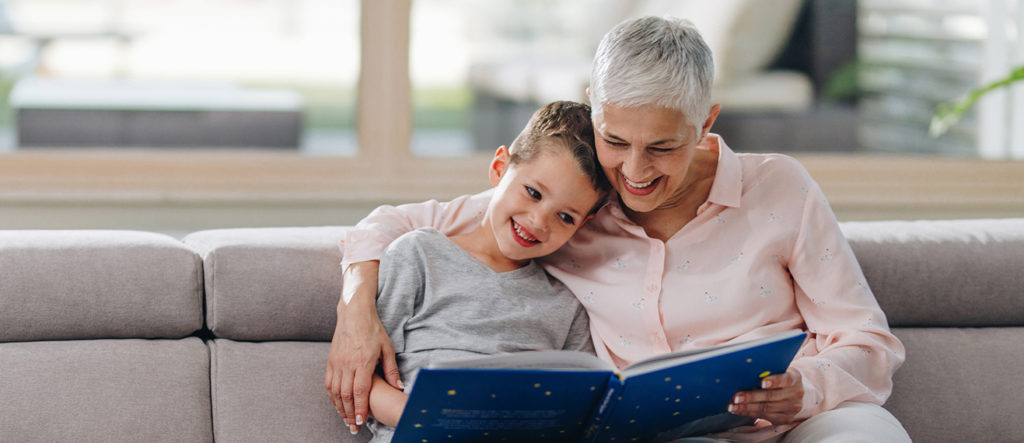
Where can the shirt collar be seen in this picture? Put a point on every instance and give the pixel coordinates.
(728, 185)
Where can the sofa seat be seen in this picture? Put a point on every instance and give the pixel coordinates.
(105, 390)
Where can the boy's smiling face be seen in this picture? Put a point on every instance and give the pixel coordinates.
(537, 204)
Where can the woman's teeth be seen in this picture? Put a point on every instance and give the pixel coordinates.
(642, 185)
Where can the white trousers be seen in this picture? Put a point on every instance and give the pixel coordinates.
(850, 422)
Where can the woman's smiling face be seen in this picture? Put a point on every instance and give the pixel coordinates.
(646, 153)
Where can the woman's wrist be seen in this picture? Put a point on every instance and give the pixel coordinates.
(359, 286)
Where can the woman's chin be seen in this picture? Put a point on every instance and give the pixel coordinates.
(646, 203)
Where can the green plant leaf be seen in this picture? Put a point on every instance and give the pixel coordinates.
(948, 114)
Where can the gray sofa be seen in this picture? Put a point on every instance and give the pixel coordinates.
(223, 335)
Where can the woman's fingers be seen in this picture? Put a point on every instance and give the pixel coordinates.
(778, 402)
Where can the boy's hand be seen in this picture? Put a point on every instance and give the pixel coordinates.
(778, 402)
(386, 403)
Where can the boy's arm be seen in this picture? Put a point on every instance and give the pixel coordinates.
(386, 402)
(579, 338)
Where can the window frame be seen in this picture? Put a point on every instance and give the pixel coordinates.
(859, 186)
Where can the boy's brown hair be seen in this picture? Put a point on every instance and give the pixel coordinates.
(565, 125)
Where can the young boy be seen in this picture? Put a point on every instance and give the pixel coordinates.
(480, 293)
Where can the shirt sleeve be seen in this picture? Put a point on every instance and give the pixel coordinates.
(401, 282)
(367, 239)
(579, 338)
(851, 353)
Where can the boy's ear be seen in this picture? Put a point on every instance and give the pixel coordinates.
(499, 164)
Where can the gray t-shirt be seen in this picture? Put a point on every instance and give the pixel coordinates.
(438, 303)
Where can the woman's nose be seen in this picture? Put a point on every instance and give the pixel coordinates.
(635, 164)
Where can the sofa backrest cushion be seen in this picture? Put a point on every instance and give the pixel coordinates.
(86, 284)
(271, 283)
(959, 273)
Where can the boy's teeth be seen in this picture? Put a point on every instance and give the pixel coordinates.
(523, 235)
(638, 185)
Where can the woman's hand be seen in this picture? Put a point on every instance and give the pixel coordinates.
(779, 400)
(359, 343)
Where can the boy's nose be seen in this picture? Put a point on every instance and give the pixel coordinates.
(539, 221)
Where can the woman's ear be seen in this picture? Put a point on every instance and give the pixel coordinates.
(499, 164)
(712, 115)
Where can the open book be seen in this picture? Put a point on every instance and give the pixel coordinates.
(574, 396)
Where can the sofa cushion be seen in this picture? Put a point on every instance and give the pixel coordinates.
(97, 284)
(105, 390)
(944, 273)
(273, 391)
(271, 283)
(960, 384)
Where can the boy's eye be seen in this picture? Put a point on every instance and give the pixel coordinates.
(533, 193)
(661, 150)
(567, 218)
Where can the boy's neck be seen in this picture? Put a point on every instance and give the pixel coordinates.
(481, 244)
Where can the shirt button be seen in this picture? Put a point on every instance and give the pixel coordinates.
(652, 288)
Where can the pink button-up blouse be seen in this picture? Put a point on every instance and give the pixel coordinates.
(763, 255)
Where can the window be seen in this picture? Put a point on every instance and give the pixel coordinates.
(918, 55)
(405, 100)
(150, 73)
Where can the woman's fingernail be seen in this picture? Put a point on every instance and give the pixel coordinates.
(401, 384)
(738, 399)
(359, 419)
(732, 408)
(353, 430)
(765, 384)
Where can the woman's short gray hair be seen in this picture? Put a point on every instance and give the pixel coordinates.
(660, 61)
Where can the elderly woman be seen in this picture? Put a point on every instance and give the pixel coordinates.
(698, 246)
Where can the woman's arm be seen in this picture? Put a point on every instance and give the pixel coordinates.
(851, 353)
(360, 340)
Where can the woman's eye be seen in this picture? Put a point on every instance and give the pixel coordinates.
(567, 218)
(661, 150)
(616, 144)
(533, 193)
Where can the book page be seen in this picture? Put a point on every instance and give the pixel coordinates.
(560, 360)
(675, 358)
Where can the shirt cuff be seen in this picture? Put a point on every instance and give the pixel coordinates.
(362, 245)
(813, 399)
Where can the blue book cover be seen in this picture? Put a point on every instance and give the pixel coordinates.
(570, 396)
